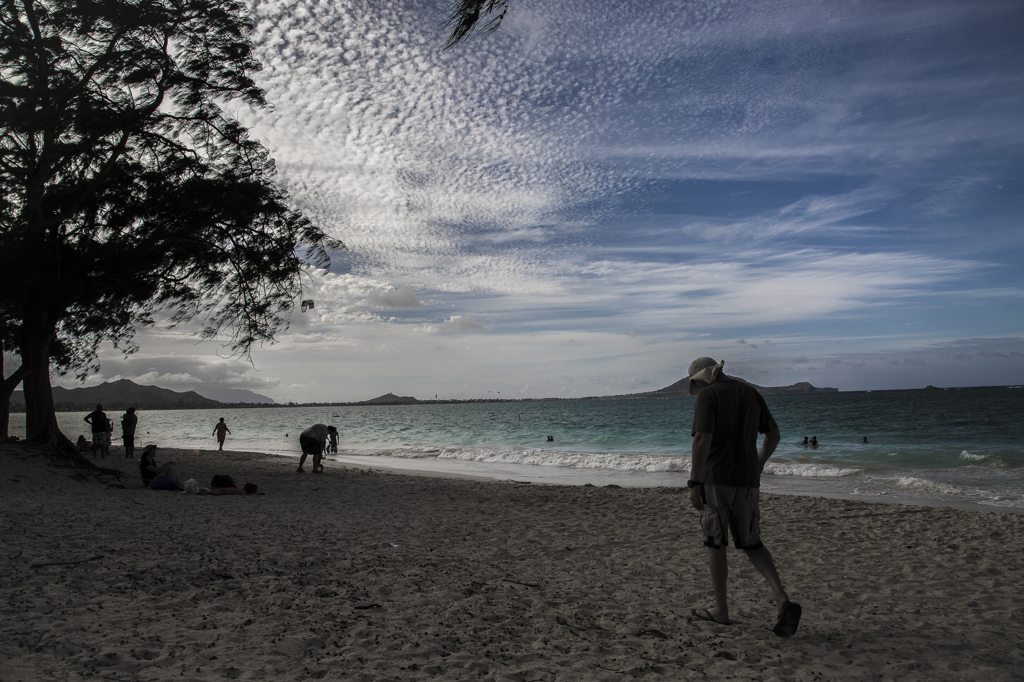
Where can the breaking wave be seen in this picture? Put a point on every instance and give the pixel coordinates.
(819, 470)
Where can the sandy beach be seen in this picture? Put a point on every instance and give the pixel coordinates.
(372, 575)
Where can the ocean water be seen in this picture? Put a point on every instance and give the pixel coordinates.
(956, 446)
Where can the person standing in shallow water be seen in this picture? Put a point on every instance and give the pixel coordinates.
(725, 481)
(128, 423)
(221, 430)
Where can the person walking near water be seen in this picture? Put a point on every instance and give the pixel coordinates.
(313, 442)
(725, 481)
(97, 420)
(128, 423)
(221, 430)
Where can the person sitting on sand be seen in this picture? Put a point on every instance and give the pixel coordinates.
(149, 470)
(313, 442)
(725, 480)
(82, 443)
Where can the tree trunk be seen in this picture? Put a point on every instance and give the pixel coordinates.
(38, 333)
(6, 389)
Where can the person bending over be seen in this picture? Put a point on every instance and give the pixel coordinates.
(314, 442)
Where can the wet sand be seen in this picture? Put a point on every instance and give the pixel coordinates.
(371, 575)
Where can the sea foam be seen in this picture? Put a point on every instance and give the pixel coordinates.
(580, 460)
(781, 469)
(922, 485)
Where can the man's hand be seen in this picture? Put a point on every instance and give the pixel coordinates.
(695, 500)
(771, 441)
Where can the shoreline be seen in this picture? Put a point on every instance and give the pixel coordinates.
(623, 479)
(367, 574)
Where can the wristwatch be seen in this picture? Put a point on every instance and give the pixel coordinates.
(692, 484)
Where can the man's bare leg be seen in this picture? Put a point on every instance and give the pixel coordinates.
(718, 564)
(302, 460)
(761, 558)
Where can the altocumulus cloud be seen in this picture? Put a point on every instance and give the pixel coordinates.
(458, 324)
(402, 297)
(813, 172)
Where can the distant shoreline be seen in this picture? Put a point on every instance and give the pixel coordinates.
(19, 408)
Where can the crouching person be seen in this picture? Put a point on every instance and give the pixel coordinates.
(314, 442)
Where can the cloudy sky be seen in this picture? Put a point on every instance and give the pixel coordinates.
(586, 200)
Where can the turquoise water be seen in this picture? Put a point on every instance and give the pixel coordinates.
(954, 445)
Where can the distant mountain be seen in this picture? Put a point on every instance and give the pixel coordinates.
(120, 395)
(390, 399)
(800, 387)
(234, 395)
(682, 387)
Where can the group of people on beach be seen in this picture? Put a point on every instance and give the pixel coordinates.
(724, 483)
(317, 440)
(103, 430)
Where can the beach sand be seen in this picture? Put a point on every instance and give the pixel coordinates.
(371, 575)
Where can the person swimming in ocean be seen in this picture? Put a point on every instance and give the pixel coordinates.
(814, 442)
(805, 443)
(864, 440)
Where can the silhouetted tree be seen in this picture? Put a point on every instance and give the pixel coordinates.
(127, 191)
(464, 16)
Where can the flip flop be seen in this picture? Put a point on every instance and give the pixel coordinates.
(788, 620)
(705, 614)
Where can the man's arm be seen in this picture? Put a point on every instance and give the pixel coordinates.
(701, 450)
(771, 441)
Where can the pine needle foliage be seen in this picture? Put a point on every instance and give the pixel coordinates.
(126, 189)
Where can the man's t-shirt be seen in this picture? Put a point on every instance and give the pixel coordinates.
(733, 413)
(98, 421)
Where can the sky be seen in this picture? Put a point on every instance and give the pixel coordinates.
(588, 199)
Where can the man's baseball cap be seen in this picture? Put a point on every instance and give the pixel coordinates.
(704, 369)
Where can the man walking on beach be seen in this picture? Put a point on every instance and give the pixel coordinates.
(725, 481)
(221, 430)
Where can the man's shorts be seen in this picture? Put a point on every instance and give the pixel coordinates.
(101, 438)
(129, 441)
(310, 445)
(736, 509)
